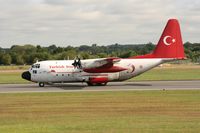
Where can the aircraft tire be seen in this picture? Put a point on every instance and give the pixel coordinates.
(41, 84)
(101, 84)
(90, 84)
(97, 84)
(104, 84)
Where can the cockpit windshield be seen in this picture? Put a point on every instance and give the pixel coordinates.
(36, 66)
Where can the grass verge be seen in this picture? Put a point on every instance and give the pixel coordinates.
(22, 67)
(86, 112)
(170, 73)
(11, 78)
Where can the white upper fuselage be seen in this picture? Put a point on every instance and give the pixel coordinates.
(56, 71)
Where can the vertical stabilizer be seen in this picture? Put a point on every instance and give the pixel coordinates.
(170, 44)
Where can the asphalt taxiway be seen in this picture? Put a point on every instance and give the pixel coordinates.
(114, 86)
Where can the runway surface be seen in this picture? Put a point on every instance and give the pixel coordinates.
(114, 86)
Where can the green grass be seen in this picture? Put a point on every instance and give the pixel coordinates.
(101, 112)
(22, 67)
(11, 78)
(187, 73)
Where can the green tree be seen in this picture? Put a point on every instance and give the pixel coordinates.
(6, 59)
(71, 54)
(85, 55)
(19, 60)
(102, 55)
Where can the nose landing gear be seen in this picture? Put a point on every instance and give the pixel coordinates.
(41, 84)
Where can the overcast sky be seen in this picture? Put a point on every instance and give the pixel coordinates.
(78, 22)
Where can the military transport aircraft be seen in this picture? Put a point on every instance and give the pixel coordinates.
(104, 70)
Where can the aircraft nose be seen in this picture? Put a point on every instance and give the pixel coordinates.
(26, 75)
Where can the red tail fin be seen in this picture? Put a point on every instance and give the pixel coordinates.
(170, 44)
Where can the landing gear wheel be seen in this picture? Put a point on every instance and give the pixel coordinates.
(41, 84)
(101, 84)
(90, 84)
(104, 84)
(96, 84)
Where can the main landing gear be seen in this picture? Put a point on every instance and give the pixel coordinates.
(96, 84)
(41, 84)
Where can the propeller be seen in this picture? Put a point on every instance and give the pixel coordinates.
(77, 63)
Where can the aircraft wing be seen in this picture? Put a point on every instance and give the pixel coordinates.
(101, 62)
(103, 65)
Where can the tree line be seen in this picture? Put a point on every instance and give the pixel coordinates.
(29, 54)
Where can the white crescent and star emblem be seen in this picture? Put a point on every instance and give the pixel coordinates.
(168, 43)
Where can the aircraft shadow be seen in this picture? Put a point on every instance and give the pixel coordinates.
(55, 87)
(75, 86)
(130, 84)
(84, 86)
(68, 86)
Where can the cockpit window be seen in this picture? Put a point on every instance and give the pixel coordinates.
(36, 66)
(34, 71)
